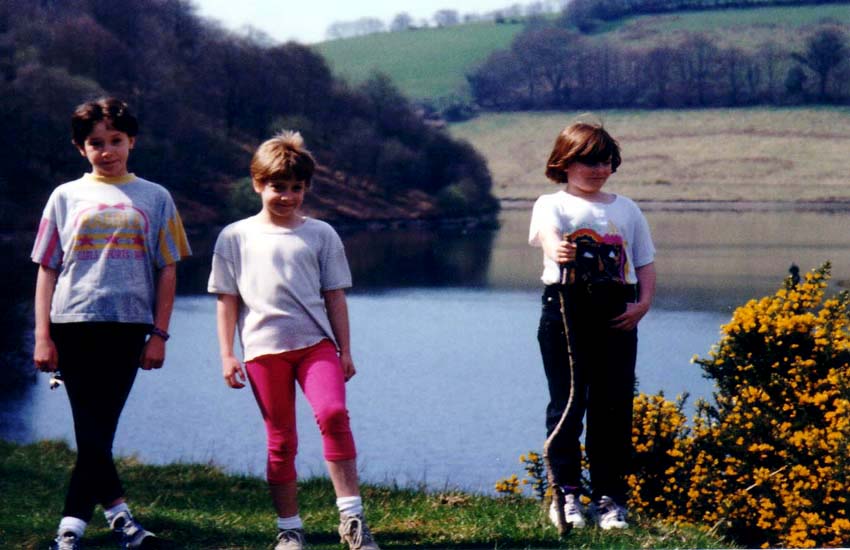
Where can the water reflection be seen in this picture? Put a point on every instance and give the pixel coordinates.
(388, 258)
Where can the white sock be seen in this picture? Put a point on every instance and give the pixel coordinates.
(350, 506)
(292, 522)
(72, 524)
(110, 513)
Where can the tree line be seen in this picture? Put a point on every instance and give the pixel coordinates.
(404, 21)
(551, 67)
(587, 14)
(205, 98)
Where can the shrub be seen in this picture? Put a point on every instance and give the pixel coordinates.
(768, 460)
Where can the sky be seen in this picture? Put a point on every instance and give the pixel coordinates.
(307, 20)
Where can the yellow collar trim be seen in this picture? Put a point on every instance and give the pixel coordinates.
(115, 180)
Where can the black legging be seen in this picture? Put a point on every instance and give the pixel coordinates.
(99, 362)
(602, 385)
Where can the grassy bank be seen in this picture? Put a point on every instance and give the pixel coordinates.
(755, 154)
(198, 506)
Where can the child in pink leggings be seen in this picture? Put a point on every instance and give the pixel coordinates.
(280, 278)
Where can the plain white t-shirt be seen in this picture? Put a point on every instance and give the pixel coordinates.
(279, 275)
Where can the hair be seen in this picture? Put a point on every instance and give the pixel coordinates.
(581, 142)
(283, 157)
(113, 111)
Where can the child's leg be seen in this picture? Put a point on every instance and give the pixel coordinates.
(566, 386)
(99, 363)
(273, 383)
(609, 413)
(321, 378)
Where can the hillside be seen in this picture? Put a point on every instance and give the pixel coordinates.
(423, 63)
(433, 63)
(737, 157)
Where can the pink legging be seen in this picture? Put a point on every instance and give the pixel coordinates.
(319, 374)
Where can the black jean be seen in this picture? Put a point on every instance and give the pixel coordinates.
(600, 384)
(99, 362)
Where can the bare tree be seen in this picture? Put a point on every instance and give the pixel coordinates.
(358, 27)
(401, 22)
(825, 50)
(446, 18)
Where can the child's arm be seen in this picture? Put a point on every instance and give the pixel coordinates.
(337, 309)
(635, 311)
(226, 312)
(153, 354)
(556, 247)
(45, 356)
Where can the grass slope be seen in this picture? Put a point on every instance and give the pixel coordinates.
(756, 154)
(425, 63)
(432, 63)
(199, 507)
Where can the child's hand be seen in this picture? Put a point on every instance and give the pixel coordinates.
(347, 363)
(153, 354)
(234, 374)
(566, 252)
(630, 318)
(44, 355)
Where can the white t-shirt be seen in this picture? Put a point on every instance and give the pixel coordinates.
(279, 275)
(613, 239)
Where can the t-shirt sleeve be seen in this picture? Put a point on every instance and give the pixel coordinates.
(334, 272)
(644, 249)
(543, 216)
(47, 250)
(172, 244)
(223, 279)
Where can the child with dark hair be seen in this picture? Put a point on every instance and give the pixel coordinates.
(106, 247)
(280, 278)
(600, 280)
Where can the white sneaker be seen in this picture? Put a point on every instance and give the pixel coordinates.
(354, 531)
(573, 512)
(290, 539)
(130, 533)
(609, 514)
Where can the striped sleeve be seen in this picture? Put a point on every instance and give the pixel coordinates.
(47, 250)
(173, 245)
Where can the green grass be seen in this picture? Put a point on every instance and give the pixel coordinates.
(199, 507)
(754, 154)
(426, 63)
(432, 63)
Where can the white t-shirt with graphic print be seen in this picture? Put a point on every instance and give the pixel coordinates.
(613, 238)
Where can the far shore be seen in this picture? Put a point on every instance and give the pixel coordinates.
(704, 205)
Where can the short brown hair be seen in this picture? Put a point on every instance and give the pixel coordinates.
(581, 142)
(112, 110)
(283, 157)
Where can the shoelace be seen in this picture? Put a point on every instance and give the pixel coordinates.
(290, 535)
(356, 531)
(67, 541)
(610, 509)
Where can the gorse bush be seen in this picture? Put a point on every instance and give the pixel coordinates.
(767, 462)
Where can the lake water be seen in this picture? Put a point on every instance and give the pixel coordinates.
(450, 390)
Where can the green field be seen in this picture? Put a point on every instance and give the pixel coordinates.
(425, 63)
(757, 154)
(200, 507)
(432, 63)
